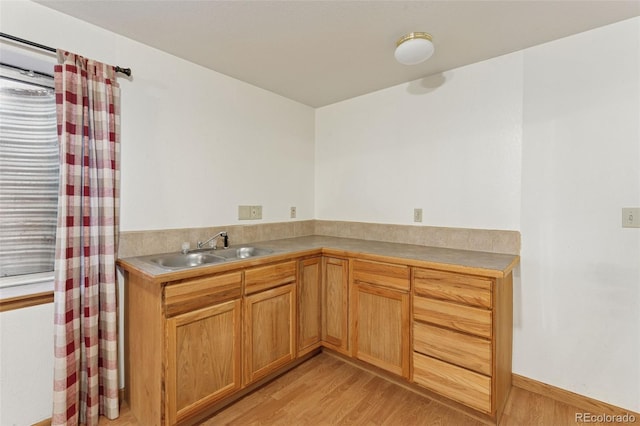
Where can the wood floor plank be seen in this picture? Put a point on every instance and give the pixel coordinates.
(391, 399)
(334, 405)
(373, 395)
(414, 411)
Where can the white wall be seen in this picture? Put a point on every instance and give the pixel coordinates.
(578, 319)
(449, 144)
(545, 141)
(195, 145)
(26, 365)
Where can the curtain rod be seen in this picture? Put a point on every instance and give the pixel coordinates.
(125, 71)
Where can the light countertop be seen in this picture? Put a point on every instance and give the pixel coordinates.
(465, 261)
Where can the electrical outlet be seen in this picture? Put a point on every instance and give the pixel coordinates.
(293, 212)
(417, 215)
(256, 212)
(631, 217)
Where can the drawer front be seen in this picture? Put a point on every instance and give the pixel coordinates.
(466, 351)
(460, 288)
(453, 316)
(265, 277)
(469, 388)
(382, 274)
(189, 295)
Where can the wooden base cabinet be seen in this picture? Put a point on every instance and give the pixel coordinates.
(380, 316)
(309, 304)
(335, 304)
(203, 362)
(269, 334)
(194, 343)
(462, 337)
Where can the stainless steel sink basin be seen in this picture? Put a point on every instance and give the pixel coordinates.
(189, 260)
(243, 252)
(206, 257)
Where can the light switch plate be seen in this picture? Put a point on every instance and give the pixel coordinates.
(417, 215)
(631, 217)
(244, 212)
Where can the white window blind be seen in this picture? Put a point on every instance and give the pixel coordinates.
(28, 179)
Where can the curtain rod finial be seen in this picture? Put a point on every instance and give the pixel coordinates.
(125, 71)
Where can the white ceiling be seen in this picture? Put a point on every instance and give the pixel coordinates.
(321, 52)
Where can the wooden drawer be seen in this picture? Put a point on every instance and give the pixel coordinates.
(382, 274)
(460, 288)
(466, 351)
(265, 277)
(454, 316)
(197, 293)
(467, 387)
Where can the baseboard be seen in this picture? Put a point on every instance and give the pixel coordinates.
(47, 422)
(585, 403)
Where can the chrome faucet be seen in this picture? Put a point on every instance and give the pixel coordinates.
(214, 242)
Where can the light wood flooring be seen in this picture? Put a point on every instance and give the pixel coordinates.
(328, 391)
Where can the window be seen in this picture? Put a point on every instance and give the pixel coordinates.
(28, 172)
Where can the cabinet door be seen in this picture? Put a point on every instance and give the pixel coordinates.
(203, 358)
(269, 331)
(309, 299)
(335, 304)
(381, 327)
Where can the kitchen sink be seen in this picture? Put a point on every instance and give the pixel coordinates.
(201, 257)
(189, 260)
(243, 252)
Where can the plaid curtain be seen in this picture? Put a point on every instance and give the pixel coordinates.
(85, 323)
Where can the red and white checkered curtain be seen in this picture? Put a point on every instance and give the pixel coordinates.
(85, 324)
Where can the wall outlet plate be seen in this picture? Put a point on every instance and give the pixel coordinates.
(631, 217)
(292, 212)
(256, 212)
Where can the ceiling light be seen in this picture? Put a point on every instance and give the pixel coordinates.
(414, 48)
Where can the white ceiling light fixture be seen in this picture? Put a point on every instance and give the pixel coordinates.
(414, 48)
